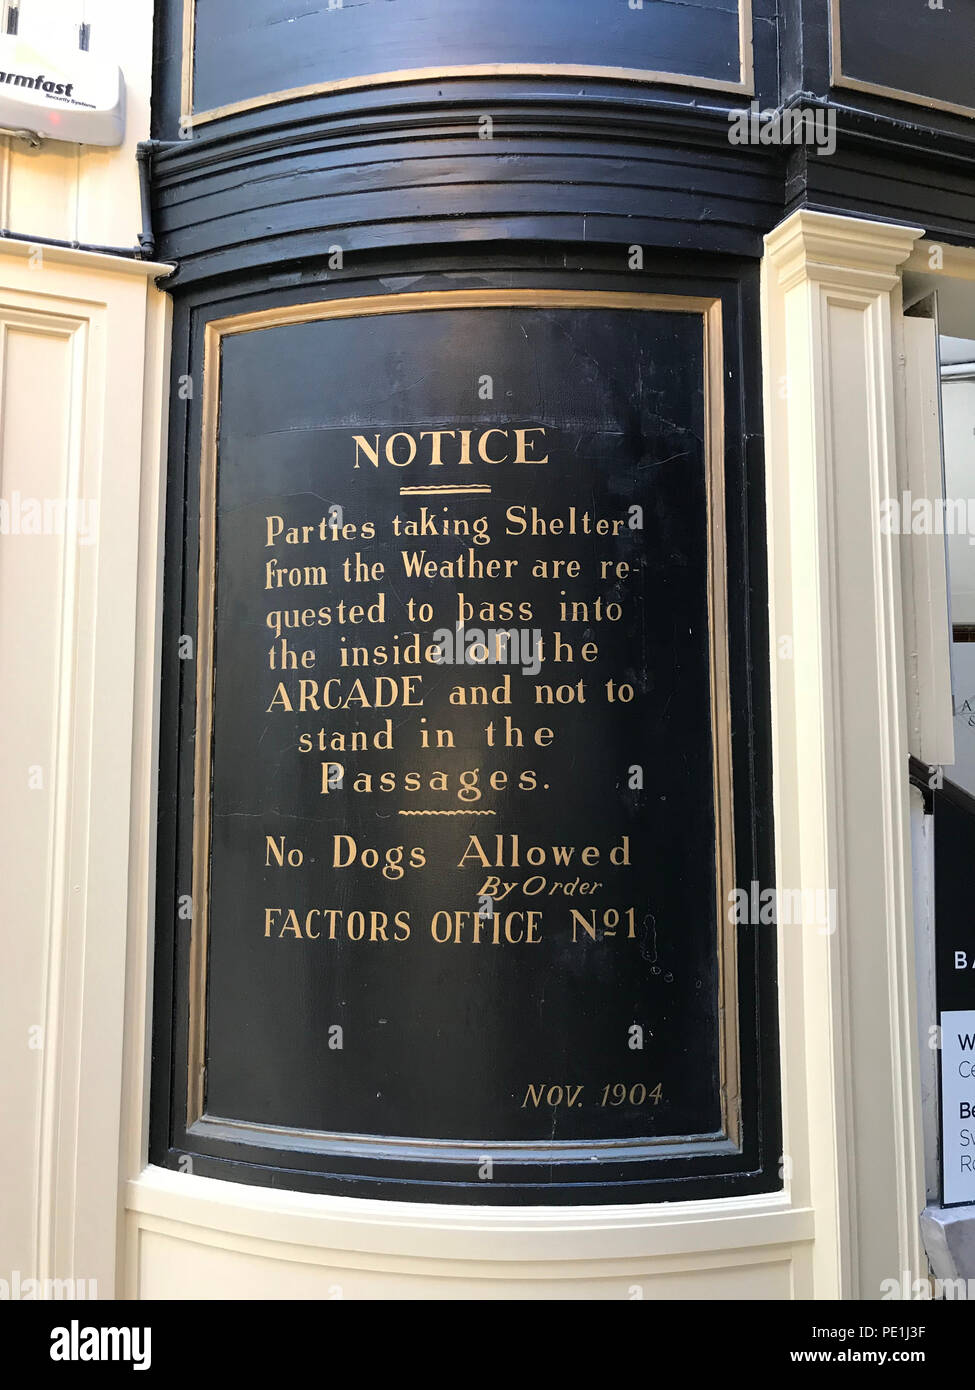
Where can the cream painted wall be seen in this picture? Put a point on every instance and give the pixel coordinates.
(83, 366)
(64, 191)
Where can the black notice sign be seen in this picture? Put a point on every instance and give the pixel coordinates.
(463, 806)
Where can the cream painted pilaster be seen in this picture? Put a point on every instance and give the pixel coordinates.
(83, 382)
(831, 309)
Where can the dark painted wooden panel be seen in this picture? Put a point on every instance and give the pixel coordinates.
(910, 47)
(234, 204)
(243, 1029)
(701, 18)
(891, 171)
(569, 160)
(246, 49)
(885, 35)
(662, 170)
(465, 179)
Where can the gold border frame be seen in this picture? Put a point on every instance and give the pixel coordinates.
(218, 329)
(745, 86)
(839, 79)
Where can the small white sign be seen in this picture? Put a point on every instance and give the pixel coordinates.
(63, 94)
(958, 1105)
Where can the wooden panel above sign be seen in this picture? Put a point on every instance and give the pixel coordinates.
(912, 51)
(241, 54)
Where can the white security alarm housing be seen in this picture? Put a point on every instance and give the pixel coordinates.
(60, 93)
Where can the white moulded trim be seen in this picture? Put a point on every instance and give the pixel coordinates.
(831, 295)
(467, 1233)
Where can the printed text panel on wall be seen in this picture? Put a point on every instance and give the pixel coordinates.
(463, 792)
(244, 53)
(954, 812)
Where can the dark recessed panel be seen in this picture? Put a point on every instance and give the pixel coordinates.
(247, 50)
(907, 49)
